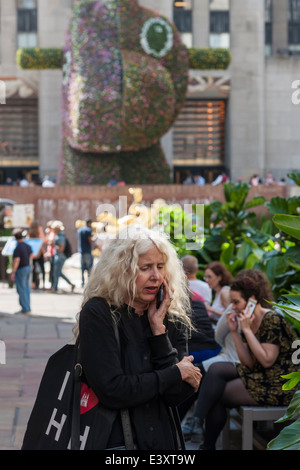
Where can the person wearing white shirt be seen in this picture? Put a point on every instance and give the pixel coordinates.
(190, 266)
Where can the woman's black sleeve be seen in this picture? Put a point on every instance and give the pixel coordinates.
(102, 365)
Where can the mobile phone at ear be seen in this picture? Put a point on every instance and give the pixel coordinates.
(159, 297)
(251, 306)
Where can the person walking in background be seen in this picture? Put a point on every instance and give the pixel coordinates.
(21, 271)
(84, 236)
(36, 231)
(50, 251)
(190, 267)
(59, 257)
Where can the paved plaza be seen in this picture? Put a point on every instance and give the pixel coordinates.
(29, 341)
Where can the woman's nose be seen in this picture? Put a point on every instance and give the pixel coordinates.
(155, 274)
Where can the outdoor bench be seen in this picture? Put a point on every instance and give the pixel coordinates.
(248, 415)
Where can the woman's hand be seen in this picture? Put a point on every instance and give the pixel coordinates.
(232, 321)
(189, 373)
(245, 321)
(156, 315)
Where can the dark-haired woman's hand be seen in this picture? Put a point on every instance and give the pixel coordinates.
(232, 321)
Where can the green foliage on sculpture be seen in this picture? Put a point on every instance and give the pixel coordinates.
(125, 78)
(146, 166)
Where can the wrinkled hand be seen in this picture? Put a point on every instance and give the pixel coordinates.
(190, 373)
(156, 315)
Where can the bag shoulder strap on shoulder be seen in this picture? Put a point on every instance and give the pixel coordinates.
(126, 424)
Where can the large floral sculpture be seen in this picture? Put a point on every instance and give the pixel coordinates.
(125, 76)
(125, 80)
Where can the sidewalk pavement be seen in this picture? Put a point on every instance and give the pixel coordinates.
(29, 340)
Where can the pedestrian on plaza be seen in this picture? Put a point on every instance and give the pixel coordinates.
(36, 231)
(85, 240)
(270, 180)
(50, 250)
(199, 180)
(59, 257)
(21, 270)
(153, 372)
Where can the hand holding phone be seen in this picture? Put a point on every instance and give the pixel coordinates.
(159, 296)
(250, 307)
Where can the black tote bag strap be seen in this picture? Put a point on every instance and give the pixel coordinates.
(126, 424)
(75, 427)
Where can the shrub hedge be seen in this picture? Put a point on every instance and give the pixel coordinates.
(30, 58)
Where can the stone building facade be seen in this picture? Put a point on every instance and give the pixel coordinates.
(254, 106)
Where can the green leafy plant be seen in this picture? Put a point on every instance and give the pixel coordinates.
(282, 261)
(209, 59)
(231, 233)
(181, 228)
(289, 437)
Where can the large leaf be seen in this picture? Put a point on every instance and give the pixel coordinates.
(295, 176)
(243, 251)
(277, 205)
(294, 298)
(289, 438)
(255, 201)
(251, 261)
(289, 224)
(293, 380)
(293, 204)
(236, 192)
(293, 408)
(227, 254)
(276, 266)
(288, 308)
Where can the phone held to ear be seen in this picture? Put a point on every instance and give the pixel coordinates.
(251, 306)
(159, 297)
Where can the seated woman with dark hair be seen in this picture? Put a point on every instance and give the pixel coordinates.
(264, 350)
(219, 279)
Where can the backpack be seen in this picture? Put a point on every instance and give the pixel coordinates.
(68, 249)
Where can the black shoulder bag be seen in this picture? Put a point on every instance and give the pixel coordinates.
(57, 421)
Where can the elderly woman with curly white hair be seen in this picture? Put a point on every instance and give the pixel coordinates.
(153, 373)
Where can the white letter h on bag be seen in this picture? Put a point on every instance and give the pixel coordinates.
(57, 425)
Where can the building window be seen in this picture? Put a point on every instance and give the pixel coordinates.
(268, 27)
(19, 139)
(27, 23)
(199, 133)
(219, 24)
(294, 27)
(183, 20)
